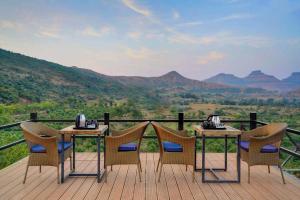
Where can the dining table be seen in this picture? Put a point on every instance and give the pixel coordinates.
(73, 131)
(221, 133)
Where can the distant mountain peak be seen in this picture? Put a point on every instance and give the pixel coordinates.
(259, 76)
(173, 74)
(294, 78)
(256, 73)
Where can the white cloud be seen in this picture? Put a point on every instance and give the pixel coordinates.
(176, 14)
(181, 38)
(237, 16)
(92, 32)
(155, 35)
(293, 41)
(6, 24)
(210, 57)
(48, 34)
(189, 24)
(136, 8)
(134, 35)
(139, 54)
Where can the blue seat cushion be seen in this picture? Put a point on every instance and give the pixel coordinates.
(128, 147)
(37, 148)
(172, 147)
(269, 148)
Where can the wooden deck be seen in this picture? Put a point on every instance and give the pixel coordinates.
(123, 182)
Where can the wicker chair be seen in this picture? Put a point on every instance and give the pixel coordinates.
(44, 146)
(123, 147)
(260, 146)
(176, 147)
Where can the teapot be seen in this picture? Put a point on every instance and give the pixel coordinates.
(215, 119)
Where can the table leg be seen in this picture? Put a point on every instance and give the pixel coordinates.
(195, 162)
(74, 152)
(203, 158)
(238, 157)
(225, 153)
(62, 157)
(98, 159)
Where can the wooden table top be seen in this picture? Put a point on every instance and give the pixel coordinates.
(70, 130)
(230, 131)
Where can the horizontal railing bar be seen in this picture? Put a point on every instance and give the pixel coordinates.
(10, 125)
(143, 120)
(290, 152)
(12, 144)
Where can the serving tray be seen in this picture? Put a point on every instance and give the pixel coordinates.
(84, 128)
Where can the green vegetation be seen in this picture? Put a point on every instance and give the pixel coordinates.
(58, 92)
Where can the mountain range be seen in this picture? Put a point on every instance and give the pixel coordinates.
(28, 79)
(258, 79)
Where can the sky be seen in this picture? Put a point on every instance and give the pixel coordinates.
(197, 38)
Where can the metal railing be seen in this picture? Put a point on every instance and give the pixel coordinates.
(252, 122)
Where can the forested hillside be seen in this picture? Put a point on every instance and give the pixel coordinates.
(26, 79)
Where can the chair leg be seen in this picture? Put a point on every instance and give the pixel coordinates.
(25, 174)
(140, 166)
(157, 165)
(161, 165)
(105, 175)
(186, 167)
(40, 168)
(283, 180)
(193, 176)
(269, 169)
(248, 174)
(71, 167)
(111, 167)
(139, 171)
(57, 174)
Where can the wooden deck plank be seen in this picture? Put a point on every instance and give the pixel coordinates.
(232, 194)
(194, 188)
(231, 173)
(76, 186)
(172, 186)
(161, 187)
(44, 192)
(123, 182)
(140, 187)
(151, 192)
(117, 189)
(59, 191)
(130, 183)
(181, 183)
(95, 189)
(107, 187)
(206, 188)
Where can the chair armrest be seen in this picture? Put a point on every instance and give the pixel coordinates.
(118, 133)
(116, 141)
(260, 131)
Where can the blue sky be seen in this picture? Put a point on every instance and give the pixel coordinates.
(149, 38)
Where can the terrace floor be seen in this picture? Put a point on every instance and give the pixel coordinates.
(123, 182)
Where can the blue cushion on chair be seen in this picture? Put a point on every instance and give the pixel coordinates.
(128, 147)
(37, 148)
(269, 148)
(172, 147)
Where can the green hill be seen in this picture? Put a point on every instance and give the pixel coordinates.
(27, 79)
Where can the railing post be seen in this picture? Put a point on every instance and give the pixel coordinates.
(180, 121)
(33, 116)
(253, 118)
(106, 122)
